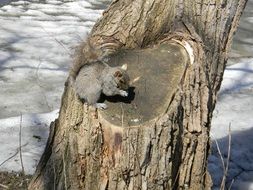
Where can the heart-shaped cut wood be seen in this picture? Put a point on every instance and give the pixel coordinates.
(155, 74)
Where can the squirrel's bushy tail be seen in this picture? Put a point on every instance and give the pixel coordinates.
(87, 53)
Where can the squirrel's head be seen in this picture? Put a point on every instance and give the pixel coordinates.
(121, 77)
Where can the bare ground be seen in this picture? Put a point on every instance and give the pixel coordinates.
(14, 181)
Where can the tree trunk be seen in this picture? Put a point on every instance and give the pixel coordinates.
(167, 144)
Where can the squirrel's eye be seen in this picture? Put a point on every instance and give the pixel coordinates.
(118, 74)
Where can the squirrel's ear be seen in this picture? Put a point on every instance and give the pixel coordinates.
(124, 67)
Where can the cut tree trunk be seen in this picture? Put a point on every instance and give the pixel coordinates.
(158, 138)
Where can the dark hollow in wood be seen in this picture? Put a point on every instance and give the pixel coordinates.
(155, 73)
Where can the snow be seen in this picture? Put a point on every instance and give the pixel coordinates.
(34, 133)
(235, 109)
(235, 101)
(36, 44)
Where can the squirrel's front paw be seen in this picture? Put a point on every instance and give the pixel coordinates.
(123, 93)
(101, 105)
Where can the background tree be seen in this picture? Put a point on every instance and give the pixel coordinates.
(86, 149)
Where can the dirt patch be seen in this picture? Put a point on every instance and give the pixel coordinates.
(14, 181)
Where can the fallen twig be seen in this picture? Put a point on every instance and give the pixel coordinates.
(17, 151)
(9, 158)
(4, 186)
(41, 86)
(60, 43)
(222, 187)
(20, 152)
(218, 148)
(20, 147)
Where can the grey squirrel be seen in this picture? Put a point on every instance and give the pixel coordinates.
(96, 78)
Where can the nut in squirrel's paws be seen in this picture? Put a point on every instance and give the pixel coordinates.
(101, 106)
(123, 93)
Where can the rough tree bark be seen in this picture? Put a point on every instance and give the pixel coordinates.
(85, 151)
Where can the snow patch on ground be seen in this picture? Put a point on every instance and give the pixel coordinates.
(37, 42)
(34, 134)
(234, 108)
